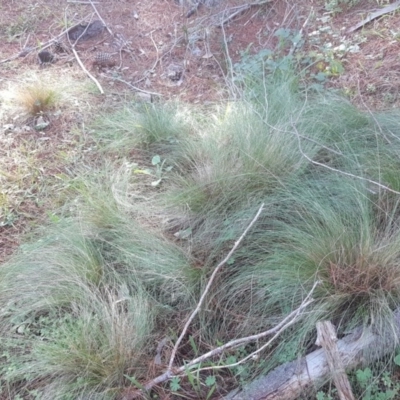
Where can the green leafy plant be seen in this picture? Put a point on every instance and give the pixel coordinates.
(174, 384)
(158, 171)
(376, 388)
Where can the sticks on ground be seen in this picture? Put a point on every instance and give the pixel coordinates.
(288, 321)
(45, 45)
(210, 282)
(86, 71)
(276, 331)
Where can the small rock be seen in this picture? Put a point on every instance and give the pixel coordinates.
(41, 124)
(8, 127)
(175, 72)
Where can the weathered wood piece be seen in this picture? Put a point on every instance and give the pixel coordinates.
(386, 10)
(305, 376)
(327, 339)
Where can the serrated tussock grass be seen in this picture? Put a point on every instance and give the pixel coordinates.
(323, 230)
(318, 223)
(88, 295)
(130, 261)
(151, 126)
(252, 151)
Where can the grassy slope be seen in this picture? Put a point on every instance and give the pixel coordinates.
(83, 307)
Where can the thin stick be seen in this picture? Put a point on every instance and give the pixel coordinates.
(288, 321)
(277, 330)
(300, 34)
(158, 55)
(101, 19)
(338, 170)
(136, 88)
(388, 9)
(241, 9)
(86, 71)
(207, 288)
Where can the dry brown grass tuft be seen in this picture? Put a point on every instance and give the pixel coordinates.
(363, 277)
(37, 98)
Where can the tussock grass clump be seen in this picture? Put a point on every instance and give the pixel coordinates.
(126, 262)
(37, 98)
(140, 126)
(252, 151)
(327, 230)
(46, 92)
(88, 295)
(318, 224)
(243, 156)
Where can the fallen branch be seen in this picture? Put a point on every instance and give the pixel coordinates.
(303, 377)
(288, 321)
(386, 10)
(86, 71)
(327, 339)
(207, 288)
(241, 9)
(136, 88)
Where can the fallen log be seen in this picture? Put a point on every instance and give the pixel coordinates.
(388, 9)
(305, 376)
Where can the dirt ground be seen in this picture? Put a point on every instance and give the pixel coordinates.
(160, 51)
(166, 49)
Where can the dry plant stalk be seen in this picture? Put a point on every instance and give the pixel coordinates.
(86, 71)
(210, 282)
(276, 331)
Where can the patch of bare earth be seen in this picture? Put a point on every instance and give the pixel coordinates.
(372, 75)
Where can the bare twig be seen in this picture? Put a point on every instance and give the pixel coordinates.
(100, 18)
(288, 321)
(388, 9)
(79, 60)
(300, 34)
(136, 88)
(12, 58)
(207, 288)
(158, 55)
(372, 114)
(338, 170)
(241, 9)
(86, 71)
